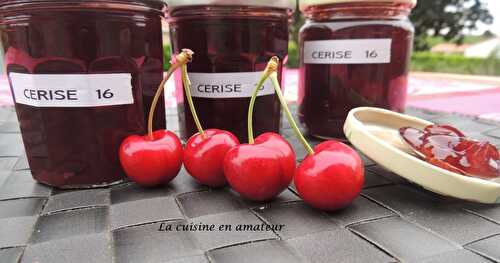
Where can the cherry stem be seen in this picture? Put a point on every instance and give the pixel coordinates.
(271, 66)
(187, 90)
(181, 59)
(277, 89)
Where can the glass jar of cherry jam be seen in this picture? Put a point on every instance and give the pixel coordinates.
(353, 53)
(83, 74)
(232, 41)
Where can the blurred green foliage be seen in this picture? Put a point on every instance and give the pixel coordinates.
(458, 64)
(166, 57)
(293, 55)
(468, 40)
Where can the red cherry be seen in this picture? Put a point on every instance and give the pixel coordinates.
(204, 156)
(331, 178)
(287, 158)
(262, 170)
(151, 161)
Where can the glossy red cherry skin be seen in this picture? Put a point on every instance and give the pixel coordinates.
(204, 156)
(287, 157)
(152, 162)
(262, 170)
(331, 178)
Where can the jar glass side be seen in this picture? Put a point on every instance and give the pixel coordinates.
(77, 147)
(228, 41)
(327, 92)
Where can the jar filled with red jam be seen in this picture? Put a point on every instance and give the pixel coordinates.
(232, 41)
(353, 53)
(83, 75)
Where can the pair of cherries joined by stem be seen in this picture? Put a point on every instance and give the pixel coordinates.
(156, 158)
(330, 177)
(263, 168)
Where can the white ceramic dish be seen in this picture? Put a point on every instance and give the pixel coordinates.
(375, 132)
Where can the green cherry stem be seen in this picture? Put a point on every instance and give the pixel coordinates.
(277, 89)
(181, 59)
(270, 68)
(187, 90)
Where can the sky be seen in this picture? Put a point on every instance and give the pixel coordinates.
(494, 7)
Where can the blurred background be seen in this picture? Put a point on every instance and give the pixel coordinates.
(455, 66)
(452, 36)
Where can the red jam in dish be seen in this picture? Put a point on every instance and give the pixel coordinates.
(448, 148)
(73, 147)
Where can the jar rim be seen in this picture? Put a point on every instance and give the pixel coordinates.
(281, 4)
(144, 5)
(305, 4)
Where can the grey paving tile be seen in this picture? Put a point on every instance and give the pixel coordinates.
(429, 212)
(147, 244)
(494, 133)
(360, 210)
(403, 240)
(366, 161)
(457, 256)
(195, 259)
(134, 192)
(21, 185)
(467, 125)
(338, 245)
(197, 204)
(85, 249)
(7, 163)
(10, 126)
(490, 212)
(11, 255)
(5, 112)
(374, 180)
(3, 177)
(298, 219)
(70, 224)
(11, 145)
(21, 207)
(144, 211)
(286, 196)
(392, 177)
(215, 239)
(485, 137)
(489, 248)
(77, 199)
(22, 163)
(184, 183)
(293, 188)
(423, 114)
(16, 231)
(21, 177)
(271, 251)
(300, 151)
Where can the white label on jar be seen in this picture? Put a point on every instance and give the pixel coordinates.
(348, 51)
(72, 90)
(228, 85)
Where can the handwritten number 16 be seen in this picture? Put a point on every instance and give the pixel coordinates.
(107, 94)
(371, 54)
